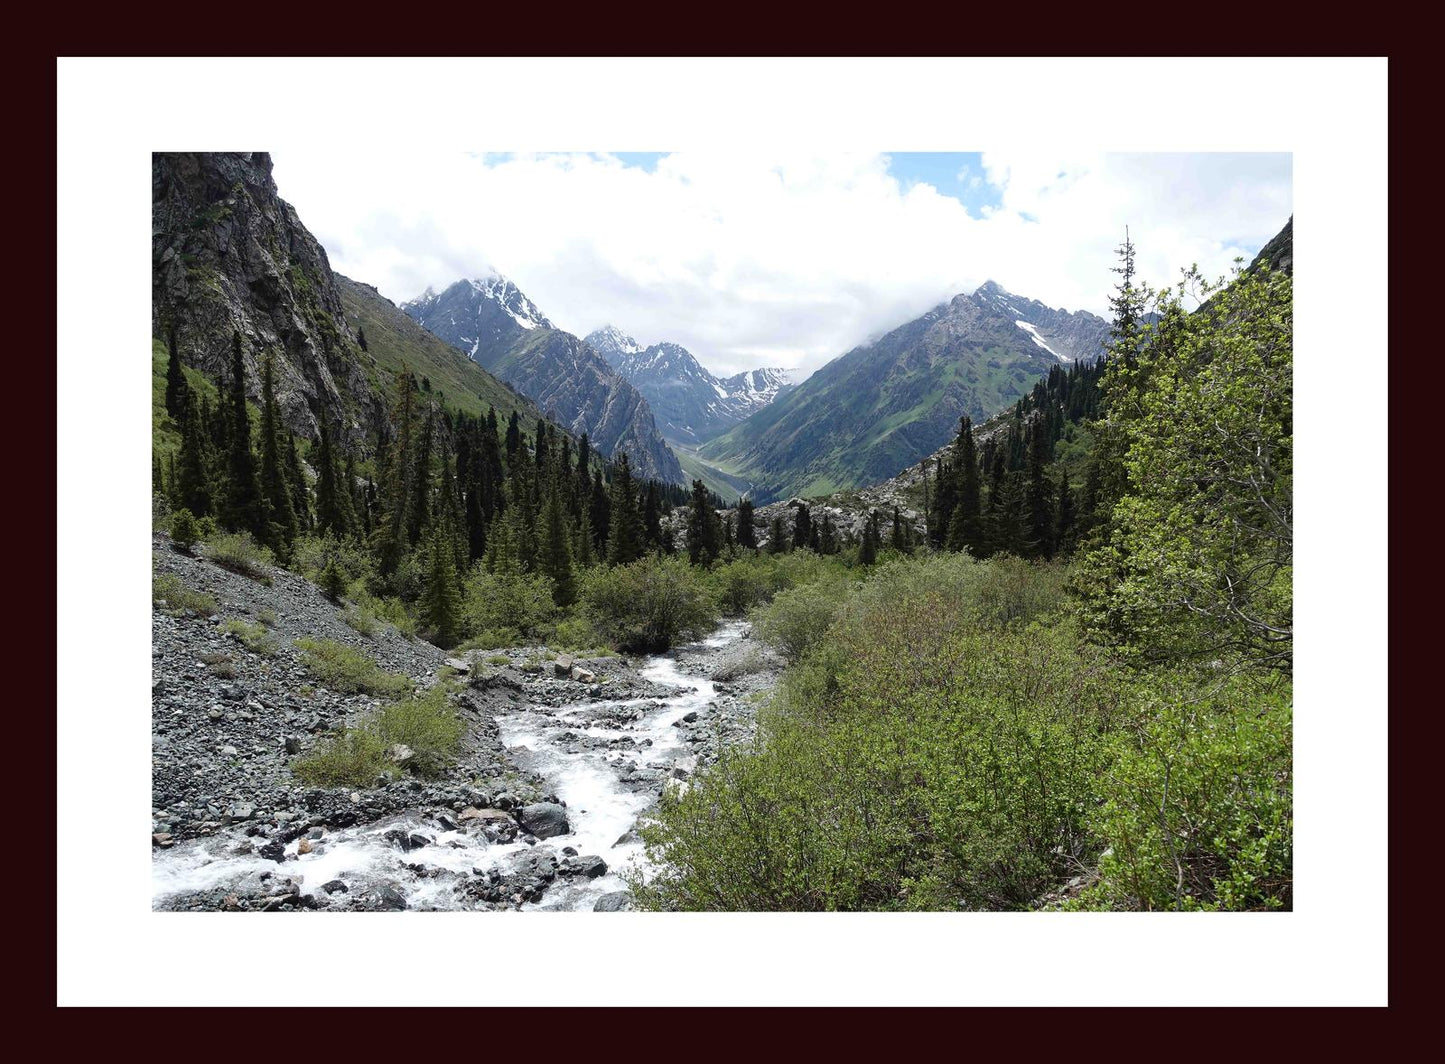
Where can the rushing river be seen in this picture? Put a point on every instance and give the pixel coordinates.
(601, 809)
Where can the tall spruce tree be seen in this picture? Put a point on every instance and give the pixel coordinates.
(1040, 496)
(704, 534)
(329, 517)
(625, 541)
(778, 538)
(1064, 518)
(868, 548)
(965, 527)
(747, 532)
(555, 554)
(296, 479)
(441, 601)
(274, 486)
(802, 528)
(244, 508)
(177, 391)
(191, 481)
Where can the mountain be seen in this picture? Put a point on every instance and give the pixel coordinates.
(228, 254)
(495, 324)
(396, 344)
(690, 404)
(884, 405)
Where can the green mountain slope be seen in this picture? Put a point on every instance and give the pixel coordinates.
(394, 342)
(883, 406)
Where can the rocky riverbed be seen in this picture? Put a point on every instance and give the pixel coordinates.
(561, 758)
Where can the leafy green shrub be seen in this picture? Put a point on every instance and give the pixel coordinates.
(507, 600)
(310, 555)
(359, 756)
(354, 758)
(347, 670)
(649, 605)
(267, 617)
(1197, 806)
(185, 532)
(333, 581)
(178, 598)
(499, 659)
(253, 637)
(361, 620)
(491, 638)
(798, 619)
(238, 552)
(428, 725)
(919, 758)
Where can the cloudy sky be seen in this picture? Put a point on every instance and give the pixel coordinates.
(752, 260)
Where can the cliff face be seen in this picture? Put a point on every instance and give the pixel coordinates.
(228, 254)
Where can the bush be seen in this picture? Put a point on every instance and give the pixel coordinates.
(919, 758)
(348, 671)
(1198, 806)
(576, 634)
(649, 605)
(507, 601)
(238, 552)
(735, 666)
(179, 599)
(267, 617)
(359, 756)
(185, 532)
(354, 758)
(428, 725)
(798, 619)
(363, 621)
(310, 555)
(253, 637)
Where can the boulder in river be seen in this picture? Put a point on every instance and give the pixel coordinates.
(619, 901)
(544, 819)
(589, 866)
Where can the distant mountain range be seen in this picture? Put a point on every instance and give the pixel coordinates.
(691, 404)
(884, 405)
(495, 324)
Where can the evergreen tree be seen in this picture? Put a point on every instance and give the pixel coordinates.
(274, 486)
(704, 534)
(419, 506)
(1040, 497)
(777, 535)
(191, 479)
(802, 528)
(514, 440)
(329, 517)
(899, 539)
(944, 501)
(652, 517)
(441, 601)
(555, 555)
(585, 552)
(177, 390)
(868, 549)
(729, 533)
(965, 528)
(601, 512)
(389, 542)
(296, 479)
(747, 532)
(625, 541)
(828, 537)
(1064, 518)
(244, 508)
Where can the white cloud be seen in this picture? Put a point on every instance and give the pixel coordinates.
(750, 260)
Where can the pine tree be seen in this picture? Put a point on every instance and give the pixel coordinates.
(389, 542)
(802, 528)
(652, 517)
(601, 509)
(899, 539)
(1064, 518)
(828, 537)
(244, 509)
(274, 486)
(419, 506)
(441, 601)
(585, 552)
(747, 532)
(704, 534)
(778, 541)
(1040, 497)
(191, 479)
(177, 390)
(625, 540)
(328, 506)
(944, 501)
(296, 478)
(965, 528)
(514, 440)
(868, 549)
(555, 555)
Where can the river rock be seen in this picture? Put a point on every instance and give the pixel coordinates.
(581, 675)
(562, 666)
(619, 901)
(399, 753)
(590, 867)
(544, 819)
